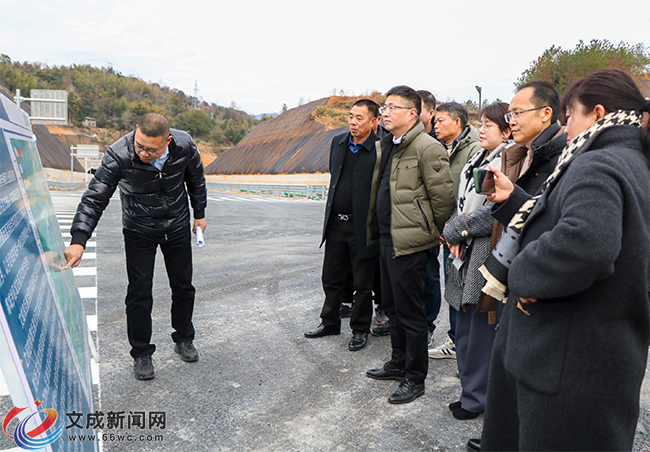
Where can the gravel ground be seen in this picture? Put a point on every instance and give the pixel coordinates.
(259, 384)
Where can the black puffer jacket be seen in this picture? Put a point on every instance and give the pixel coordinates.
(152, 201)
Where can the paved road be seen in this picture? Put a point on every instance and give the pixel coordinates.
(259, 384)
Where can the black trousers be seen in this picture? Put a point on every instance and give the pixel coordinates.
(432, 295)
(341, 259)
(348, 297)
(402, 281)
(140, 251)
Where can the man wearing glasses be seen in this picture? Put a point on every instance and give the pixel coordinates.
(414, 199)
(156, 168)
(533, 118)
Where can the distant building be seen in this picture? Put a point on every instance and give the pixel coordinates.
(90, 122)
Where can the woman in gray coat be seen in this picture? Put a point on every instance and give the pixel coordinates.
(571, 350)
(468, 234)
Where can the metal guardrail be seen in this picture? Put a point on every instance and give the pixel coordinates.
(63, 186)
(287, 190)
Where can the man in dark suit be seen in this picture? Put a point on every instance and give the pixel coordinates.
(353, 159)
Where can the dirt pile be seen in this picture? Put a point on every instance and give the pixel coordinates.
(335, 114)
(74, 136)
(297, 141)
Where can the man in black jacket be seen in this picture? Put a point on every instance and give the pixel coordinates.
(533, 117)
(152, 166)
(353, 158)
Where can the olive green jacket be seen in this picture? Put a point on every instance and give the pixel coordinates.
(420, 189)
(464, 147)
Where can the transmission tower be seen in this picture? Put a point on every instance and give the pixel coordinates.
(195, 100)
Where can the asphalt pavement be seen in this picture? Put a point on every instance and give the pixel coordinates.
(259, 384)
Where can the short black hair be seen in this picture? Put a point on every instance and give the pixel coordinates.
(408, 94)
(456, 111)
(371, 105)
(154, 125)
(428, 99)
(544, 95)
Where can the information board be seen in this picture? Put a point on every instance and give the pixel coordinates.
(42, 316)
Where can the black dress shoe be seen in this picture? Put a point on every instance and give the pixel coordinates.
(407, 392)
(322, 330)
(358, 341)
(388, 372)
(455, 405)
(463, 415)
(474, 445)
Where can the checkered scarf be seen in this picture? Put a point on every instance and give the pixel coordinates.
(495, 270)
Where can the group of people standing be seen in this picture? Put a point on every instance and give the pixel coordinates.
(548, 274)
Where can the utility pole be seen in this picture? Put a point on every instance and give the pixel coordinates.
(478, 88)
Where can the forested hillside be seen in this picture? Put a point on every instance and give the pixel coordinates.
(117, 101)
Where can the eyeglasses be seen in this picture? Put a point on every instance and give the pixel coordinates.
(391, 108)
(516, 114)
(485, 126)
(149, 151)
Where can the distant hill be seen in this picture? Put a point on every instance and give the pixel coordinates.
(117, 101)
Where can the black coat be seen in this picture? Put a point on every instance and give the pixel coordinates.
(584, 256)
(364, 168)
(153, 201)
(547, 148)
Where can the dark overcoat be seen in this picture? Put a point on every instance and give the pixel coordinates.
(566, 371)
(365, 169)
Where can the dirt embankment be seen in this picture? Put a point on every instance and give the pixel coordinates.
(209, 152)
(74, 136)
(335, 114)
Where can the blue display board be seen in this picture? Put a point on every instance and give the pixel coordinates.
(42, 315)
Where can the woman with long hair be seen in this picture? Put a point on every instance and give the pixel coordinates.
(571, 350)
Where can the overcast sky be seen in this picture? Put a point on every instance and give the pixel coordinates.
(262, 54)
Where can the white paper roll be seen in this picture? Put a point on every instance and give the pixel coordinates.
(199, 237)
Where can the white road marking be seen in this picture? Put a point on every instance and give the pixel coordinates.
(85, 271)
(88, 292)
